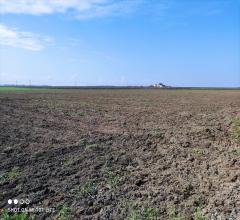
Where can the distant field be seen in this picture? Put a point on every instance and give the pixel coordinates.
(25, 89)
(77, 89)
(21, 89)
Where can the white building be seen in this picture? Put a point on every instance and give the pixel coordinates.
(159, 85)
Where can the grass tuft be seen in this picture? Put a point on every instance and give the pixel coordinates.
(145, 213)
(236, 129)
(10, 176)
(175, 216)
(112, 178)
(87, 189)
(236, 152)
(17, 216)
(198, 215)
(197, 151)
(158, 134)
(65, 213)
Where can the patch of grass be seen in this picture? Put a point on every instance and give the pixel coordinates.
(144, 213)
(157, 134)
(66, 113)
(10, 176)
(13, 174)
(236, 152)
(198, 203)
(87, 189)
(133, 216)
(112, 178)
(65, 213)
(17, 216)
(197, 151)
(23, 89)
(150, 213)
(3, 178)
(236, 129)
(68, 162)
(80, 114)
(198, 215)
(83, 104)
(175, 216)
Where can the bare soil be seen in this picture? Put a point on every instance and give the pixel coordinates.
(116, 154)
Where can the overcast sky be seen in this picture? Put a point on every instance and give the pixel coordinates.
(120, 42)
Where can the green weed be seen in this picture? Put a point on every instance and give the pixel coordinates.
(67, 162)
(112, 179)
(175, 216)
(144, 213)
(197, 152)
(157, 134)
(150, 213)
(236, 152)
(9, 176)
(198, 215)
(17, 216)
(80, 114)
(65, 213)
(236, 129)
(87, 188)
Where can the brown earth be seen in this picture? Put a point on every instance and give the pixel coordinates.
(121, 154)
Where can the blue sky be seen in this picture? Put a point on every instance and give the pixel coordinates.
(120, 42)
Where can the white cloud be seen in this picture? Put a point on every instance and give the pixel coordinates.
(25, 40)
(83, 9)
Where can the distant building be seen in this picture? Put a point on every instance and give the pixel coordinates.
(160, 85)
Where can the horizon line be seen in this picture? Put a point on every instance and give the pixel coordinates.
(117, 86)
